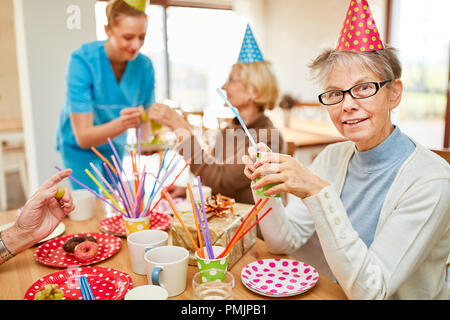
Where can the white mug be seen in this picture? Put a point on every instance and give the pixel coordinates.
(147, 292)
(84, 205)
(140, 242)
(167, 266)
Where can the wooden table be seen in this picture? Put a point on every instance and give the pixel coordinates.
(306, 133)
(19, 273)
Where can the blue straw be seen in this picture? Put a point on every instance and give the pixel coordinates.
(120, 164)
(161, 184)
(205, 221)
(170, 162)
(159, 171)
(83, 292)
(87, 288)
(236, 113)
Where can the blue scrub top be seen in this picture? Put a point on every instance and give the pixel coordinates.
(91, 87)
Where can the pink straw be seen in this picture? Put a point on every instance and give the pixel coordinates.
(124, 202)
(139, 147)
(127, 195)
(91, 191)
(138, 193)
(120, 163)
(101, 177)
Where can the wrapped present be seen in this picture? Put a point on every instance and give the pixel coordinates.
(221, 229)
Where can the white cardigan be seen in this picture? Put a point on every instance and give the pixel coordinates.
(407, 259)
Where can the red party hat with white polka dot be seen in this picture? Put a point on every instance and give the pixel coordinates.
(359, 32)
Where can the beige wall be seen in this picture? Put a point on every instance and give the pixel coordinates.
(9, 82)
(46, 36)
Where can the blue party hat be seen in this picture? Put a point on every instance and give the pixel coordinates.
(249, 50)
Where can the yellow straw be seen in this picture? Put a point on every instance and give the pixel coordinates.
(101, 187)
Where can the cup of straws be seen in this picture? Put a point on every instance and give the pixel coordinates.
(209, 266)
(211, 258)
(126, 195)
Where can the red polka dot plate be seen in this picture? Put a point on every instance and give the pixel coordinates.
(105, 283)
(279, 277)
(51, 253)
(115, 225)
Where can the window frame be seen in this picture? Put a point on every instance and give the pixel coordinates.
(179, 3)
(389, 19)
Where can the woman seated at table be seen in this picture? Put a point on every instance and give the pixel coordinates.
(379, 202)
(251, 88)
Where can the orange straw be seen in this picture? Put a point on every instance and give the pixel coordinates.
(254, 224)
(225, 252)
(179, 218)
(242, 223)
(197, 225)
(104, 159)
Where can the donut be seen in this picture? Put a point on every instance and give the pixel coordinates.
(85, 251)
(69, 245)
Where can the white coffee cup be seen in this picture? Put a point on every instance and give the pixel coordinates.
(84, 205)
(140, 242)
(147, 292)
(167, 266)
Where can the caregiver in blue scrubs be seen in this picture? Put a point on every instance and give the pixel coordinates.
(109, 85)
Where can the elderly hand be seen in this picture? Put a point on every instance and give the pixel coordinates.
(166, 116)
(41, 214)
(250, 160)
(288, 174)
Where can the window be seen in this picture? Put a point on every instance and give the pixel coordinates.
(420, 32)
(202, 45)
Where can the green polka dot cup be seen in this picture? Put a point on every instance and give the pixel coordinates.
(210, 266)
(136, 224)
(260, 192)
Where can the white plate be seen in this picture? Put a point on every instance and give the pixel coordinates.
(58, 230)
(279, 277)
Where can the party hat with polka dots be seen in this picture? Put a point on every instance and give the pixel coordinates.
(137, 4)
(359, 32)
(249, 50)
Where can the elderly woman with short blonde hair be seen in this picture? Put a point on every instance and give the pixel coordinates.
(251, 88)
(379, 203)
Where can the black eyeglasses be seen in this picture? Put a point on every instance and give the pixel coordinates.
(359, 91)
